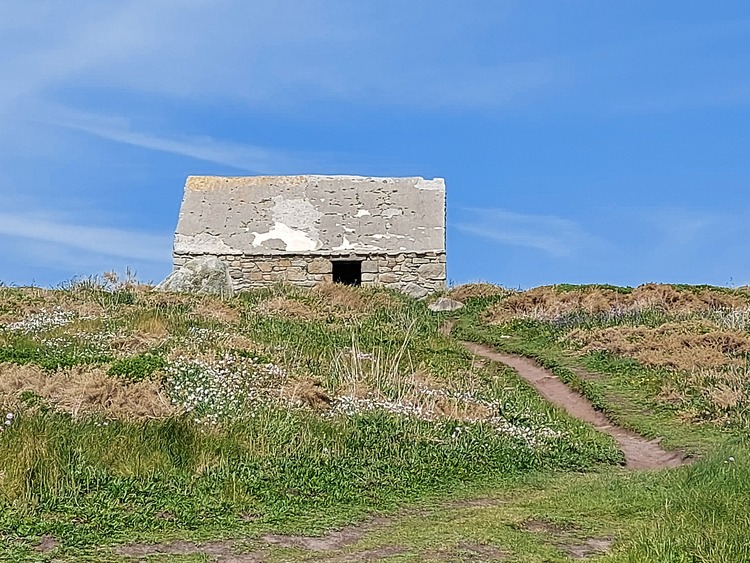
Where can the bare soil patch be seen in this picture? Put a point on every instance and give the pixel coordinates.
(330, 542)
(540, 525)
(220, 551)
(376, 554)
(565, 540)
(467, 551)
(47, 543)
(588, 548)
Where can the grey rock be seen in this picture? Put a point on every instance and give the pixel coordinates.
(416, 291)
(200, 275)
(445, 304)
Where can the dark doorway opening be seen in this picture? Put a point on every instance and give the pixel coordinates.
(348, 272)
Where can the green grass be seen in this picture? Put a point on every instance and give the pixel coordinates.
(246, 460)
(242, 460)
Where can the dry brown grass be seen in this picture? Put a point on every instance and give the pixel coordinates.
(352, 299)
(85, 390)
(217, 310)
(551, 302)
(325, 301)
(548, 302)
(479, 290)
(148, 329)
(307, 392)
(686, 345)
(673, 300)
(289, 308)
(716, 394)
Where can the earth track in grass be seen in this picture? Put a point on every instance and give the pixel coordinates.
(639, 452)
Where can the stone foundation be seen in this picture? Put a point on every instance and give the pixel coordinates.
(417, 274)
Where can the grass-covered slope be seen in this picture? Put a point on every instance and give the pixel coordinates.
(670, 362)
(132, 414)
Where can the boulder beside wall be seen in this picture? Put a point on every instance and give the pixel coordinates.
(207, 275)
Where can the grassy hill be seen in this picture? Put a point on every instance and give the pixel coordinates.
(134, 415)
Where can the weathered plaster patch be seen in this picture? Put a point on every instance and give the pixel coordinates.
(346, 245)
(387, 236)
(298, 214)
(294, 239)
(423, 184)
(392, 212)
(203, 243)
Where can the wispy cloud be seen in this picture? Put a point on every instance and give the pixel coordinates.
(249, 158)
(556, 236)
(86, 239)
(291, 53)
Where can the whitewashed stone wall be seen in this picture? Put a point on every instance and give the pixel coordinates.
(417, 274)
(272, 229)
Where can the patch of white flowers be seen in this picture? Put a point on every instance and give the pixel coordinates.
(9, 418)
(217, 388)
(206, 335)
(43, 320)
(86, 345)
(534, 434)
(733, 319)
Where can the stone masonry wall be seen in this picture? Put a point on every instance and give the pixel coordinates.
(414, 273)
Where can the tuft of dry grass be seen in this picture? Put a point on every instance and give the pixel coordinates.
(218, 310)
(20, 303)
(325, 301)
(552, 302)
(549, 302)
(341, 296)
(720, 394)
(306, 392)
(685, 345)
(83, 390)
(351, 299)
(477, 290)
(288, 308)
(682, 301)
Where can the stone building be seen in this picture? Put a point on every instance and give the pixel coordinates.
(311, 229)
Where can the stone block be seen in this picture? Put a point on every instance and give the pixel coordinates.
(432, 271)
(370, 267)
(295, 274)
(369, 278)
(319, 266)
(388, 277)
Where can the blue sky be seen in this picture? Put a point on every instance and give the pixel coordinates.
(581, 142)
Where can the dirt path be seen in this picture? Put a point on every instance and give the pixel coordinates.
(640, 453)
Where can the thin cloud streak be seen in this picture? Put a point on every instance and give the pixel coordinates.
(105, 241)
(249, 158)
(556, 236)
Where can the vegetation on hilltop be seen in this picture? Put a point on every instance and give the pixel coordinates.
(275, 407)
(132, 415)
